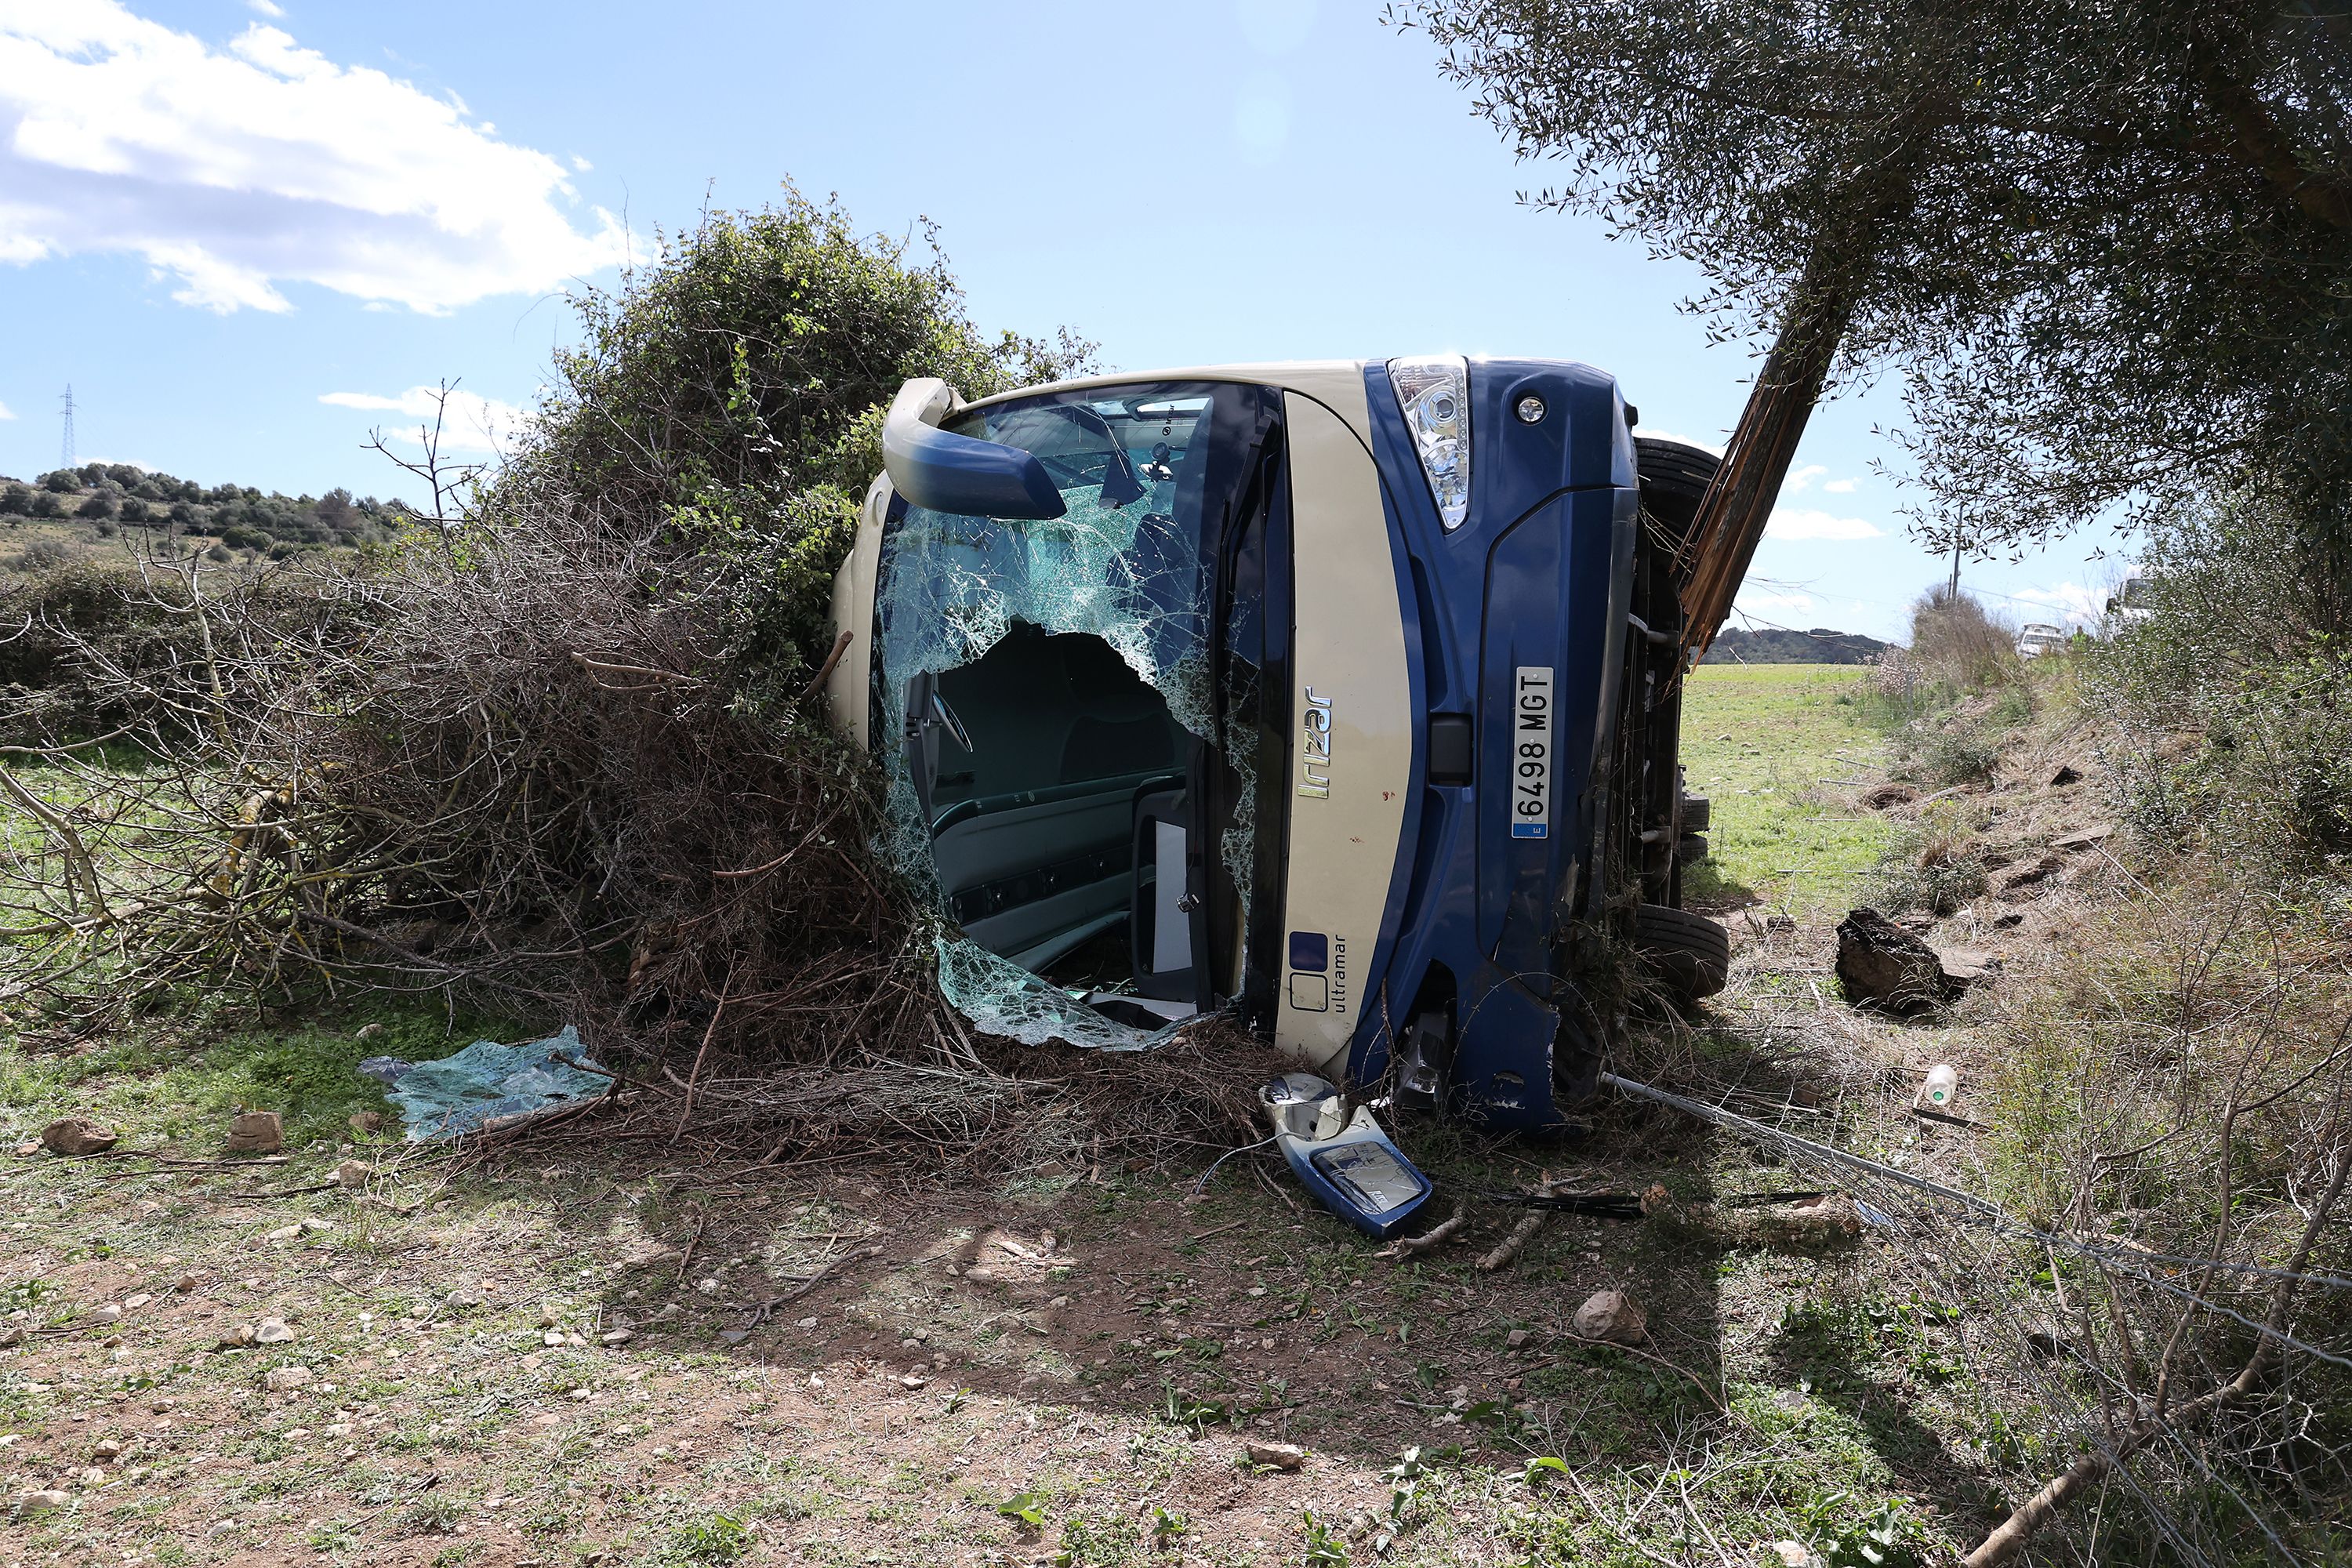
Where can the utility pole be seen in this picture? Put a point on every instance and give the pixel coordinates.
(65, 445)
(1952, 594)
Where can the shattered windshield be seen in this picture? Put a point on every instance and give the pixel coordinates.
(1054, 690)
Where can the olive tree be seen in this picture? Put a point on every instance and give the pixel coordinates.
(2108, 246)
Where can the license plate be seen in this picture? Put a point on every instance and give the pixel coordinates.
(1531, 748)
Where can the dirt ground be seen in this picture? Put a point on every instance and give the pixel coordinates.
(610, 1360)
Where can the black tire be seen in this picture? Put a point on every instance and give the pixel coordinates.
(1689, 953)
(1690, 847)
(1673, 469)
(1699, 814)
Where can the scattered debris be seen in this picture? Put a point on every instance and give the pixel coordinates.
(1521, 1234)
(1279, 1455)
(1830, 1212)
(1436, 1236)
(1943, 1082)
(1341, 1155)
(77, 1135)
(490, 1083)
(1612, 1316)
(1882, 965)
(255, 1132)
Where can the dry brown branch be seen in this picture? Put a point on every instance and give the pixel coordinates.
(1436, 1236)
(1521, 1234)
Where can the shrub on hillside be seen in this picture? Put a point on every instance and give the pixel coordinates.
(1958, 643)
(2234, 695)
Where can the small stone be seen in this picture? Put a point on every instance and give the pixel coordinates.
(1612, 1316)
(110, 1312)
(92, 1478)
(186, 1282)
(44, 1501)
(132, 1303)
(733, 1336)
(77, 1135)
(278, 1379)
(552, 1339)
(367, 1122)
(1281, 1456)
(368, 1031)
(285, 1232)
(913, 1380)
(255, 1132)
(548, 1315)
(108, 1451)
(272, 1331)
(1516, 1340)
(805, 1323)
(1792, 1554)
(616, 1336)
(582, 1394)
(707, 1286)
(354, 1174)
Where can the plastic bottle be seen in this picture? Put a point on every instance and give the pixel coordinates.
(1941, 1085)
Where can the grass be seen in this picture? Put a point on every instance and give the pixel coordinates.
(1773, 748)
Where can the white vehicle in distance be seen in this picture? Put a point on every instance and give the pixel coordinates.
(2040, 638)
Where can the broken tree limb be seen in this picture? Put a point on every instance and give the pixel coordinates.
(1437, 1234)
(1820, 308)
(2010, 1537)
(1521, 1234)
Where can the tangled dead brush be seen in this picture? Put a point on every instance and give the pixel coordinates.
(513, 767)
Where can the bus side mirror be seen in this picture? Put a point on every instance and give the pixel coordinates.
(941, 471)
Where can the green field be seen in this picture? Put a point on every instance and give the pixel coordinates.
(1778, 748)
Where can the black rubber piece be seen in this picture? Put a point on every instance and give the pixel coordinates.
(1689, 953)
(1699, 814)
(1690, 847)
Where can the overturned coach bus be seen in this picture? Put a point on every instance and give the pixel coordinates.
(1340, 695)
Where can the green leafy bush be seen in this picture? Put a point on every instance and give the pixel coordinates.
(2234, 697)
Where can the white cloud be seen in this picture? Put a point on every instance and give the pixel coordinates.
(6, 412)
(1841, 487)
(267, 8)
(580, 164)
(1655, 434)
(234, 170)
(1803, 476)
(471, 424)
(2077, 605)
(1794, 522)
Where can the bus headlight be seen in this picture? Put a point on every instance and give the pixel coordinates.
(1434, 392)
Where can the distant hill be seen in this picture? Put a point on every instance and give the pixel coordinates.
(1776, 644)
(71, 511)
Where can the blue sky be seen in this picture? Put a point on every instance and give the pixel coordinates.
(247, 231)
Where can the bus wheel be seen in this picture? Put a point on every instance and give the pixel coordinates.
(1689, 953)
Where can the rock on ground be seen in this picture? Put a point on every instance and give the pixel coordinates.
(77, 1135)
(255, 1132)
(1281, 1456)
(1613, 1316)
